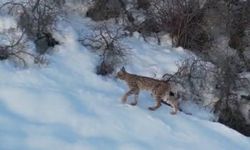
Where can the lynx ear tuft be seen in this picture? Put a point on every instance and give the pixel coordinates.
(123, 69)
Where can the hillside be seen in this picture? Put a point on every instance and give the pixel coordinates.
(66, 106)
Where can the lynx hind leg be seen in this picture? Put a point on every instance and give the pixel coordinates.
(125, 96)
(136, 92)
(158, 104)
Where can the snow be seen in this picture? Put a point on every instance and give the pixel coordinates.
(6, 23)
(66, 106)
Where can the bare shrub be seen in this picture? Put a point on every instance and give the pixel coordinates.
(238, 22)
(106, 42)
(149, 27)
(229, 83)
(45, 42)
(104, 9)
(143, 4)
(215, 85)
(15, 49)
(107, 9)
(234, 119)
(229, 64)
(195, 79)
(183, 19)
(36, 17)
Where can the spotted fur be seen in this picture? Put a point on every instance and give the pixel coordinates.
(160, 90)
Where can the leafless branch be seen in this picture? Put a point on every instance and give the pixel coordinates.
(15, 51)
(105, 41)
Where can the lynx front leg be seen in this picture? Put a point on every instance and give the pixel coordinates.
(158, 104)
(130, 92)
(135, 98)
(125, 97)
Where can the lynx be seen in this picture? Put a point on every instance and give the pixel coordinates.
(160, 90)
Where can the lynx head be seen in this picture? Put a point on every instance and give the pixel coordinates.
(121, 74)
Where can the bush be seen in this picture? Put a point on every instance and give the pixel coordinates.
(143, 4)
(37, 18)
(15, 48)
(238, 23)
(229, 83)
(234, 119)
(183, 19)
(105, 42)
(104, 9)
(222, 79)
(195, 79)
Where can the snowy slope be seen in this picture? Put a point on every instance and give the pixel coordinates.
(67, 106)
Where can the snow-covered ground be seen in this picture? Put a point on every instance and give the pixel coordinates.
(66, 106)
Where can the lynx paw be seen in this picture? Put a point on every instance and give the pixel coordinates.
(151, 108)
(133, 103)
(173, 113)
(123, 100)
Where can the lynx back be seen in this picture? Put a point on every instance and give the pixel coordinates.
(160, 90)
